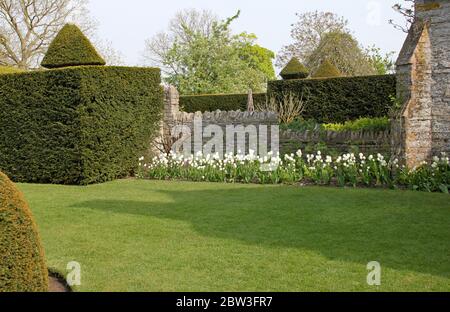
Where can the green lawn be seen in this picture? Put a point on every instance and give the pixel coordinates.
(135, 235)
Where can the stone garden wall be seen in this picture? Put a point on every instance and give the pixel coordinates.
(343, 142)
(222, 126)
(262, 122)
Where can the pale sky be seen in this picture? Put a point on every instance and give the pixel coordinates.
(128, 23)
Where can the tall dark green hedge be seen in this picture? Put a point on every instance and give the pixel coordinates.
(340, 99)
(78, 125)
(224, 102)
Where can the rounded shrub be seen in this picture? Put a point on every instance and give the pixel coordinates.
(327, 70)
(22, 263)
(294, 70)
(71, 48)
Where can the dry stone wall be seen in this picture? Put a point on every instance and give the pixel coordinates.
(367, 142)
(236, 127)
(288, 141)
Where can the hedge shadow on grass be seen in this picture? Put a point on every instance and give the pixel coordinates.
(402, 230)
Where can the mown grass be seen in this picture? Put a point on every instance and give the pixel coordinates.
(134, 235)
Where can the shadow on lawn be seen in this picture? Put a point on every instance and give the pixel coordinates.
(401, 230)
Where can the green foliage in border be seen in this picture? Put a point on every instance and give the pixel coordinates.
(361, 124)
(337, 100)
(223, 102)
(77, 125)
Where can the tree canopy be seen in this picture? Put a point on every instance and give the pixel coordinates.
(324, 35)
(307, 33)
(199, 54)
(342, 50)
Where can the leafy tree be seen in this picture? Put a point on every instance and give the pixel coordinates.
(199, 54)
(344, 52)
(255, 55)
(383, 63)
(308, 32)
(324, 35)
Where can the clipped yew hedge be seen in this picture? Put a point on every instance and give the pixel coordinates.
(294, 70)
(327, 70)
(224, 102)
(22, 262)
(71, 48)
(337, 100)
(77, 125)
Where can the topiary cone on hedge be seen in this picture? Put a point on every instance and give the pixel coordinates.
(22, 263)
(71, 48)
(327, 70)
(294, 70)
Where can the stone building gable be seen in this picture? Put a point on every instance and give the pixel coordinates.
(410, 45)
(421, 128)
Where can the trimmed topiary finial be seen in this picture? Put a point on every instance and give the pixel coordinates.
(22, 262)
(294, 70)
(327, 70)
(71, 48)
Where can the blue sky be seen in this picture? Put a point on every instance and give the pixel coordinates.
(128, 23)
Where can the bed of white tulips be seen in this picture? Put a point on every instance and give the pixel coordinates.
(346, 170)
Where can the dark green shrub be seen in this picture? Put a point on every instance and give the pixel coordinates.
(22, 262)
(224, 102)
(294, 70)
(77, 125)
(71, 48)
(327, 70)
(337, 100)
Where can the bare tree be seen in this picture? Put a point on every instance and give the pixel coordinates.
(27, 27)
(307, 34)
(407, 10)
(106, 49)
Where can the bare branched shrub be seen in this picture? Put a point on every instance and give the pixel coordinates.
(289, 107)
(165, 142)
